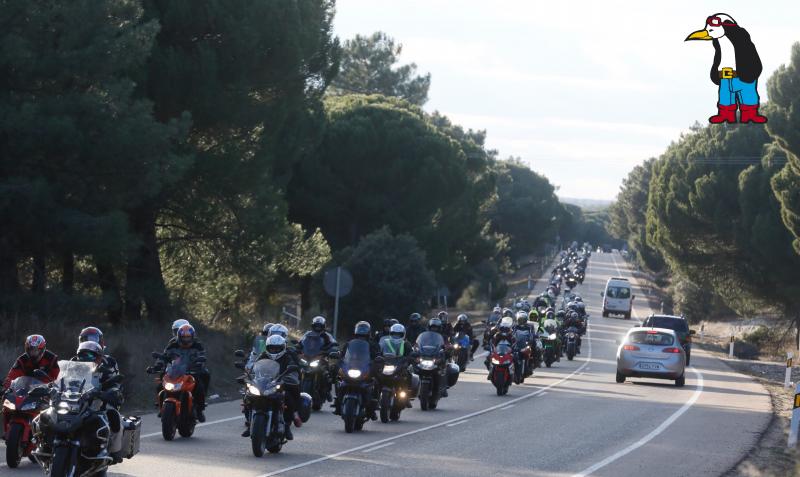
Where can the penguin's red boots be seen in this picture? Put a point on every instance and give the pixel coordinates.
(727, 114)
(750, 114)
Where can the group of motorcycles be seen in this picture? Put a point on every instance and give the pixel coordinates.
(65, 426)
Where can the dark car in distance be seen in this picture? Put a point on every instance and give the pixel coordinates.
(677, 324)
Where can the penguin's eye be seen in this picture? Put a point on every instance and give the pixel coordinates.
(714, 21)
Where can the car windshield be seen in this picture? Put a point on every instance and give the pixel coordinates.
(312, 345)
(677, 324)
(651, 338)
(429, 343)
(618, 292)
(77, 376)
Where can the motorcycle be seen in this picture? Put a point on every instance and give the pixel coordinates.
(22, 402)
(398, 386)
(571, 282)
(355, 385)
(571, 340)
(549, 342)
(266, 401)
(316, 380)
(461, 346)
(176, 398)
(429, 357)
(502, 368)
(523, 355)
(73, 434)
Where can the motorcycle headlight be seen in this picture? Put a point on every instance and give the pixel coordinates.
(427, 364)
(9, 405)
(29, 406)
(495, 361)
(314, 363)
(62, 408)
(253, 390)
(389, 369)
(552, 337)
(354, 373)
(172, 386)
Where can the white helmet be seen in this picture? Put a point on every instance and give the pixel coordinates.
(276, 346)
(397, 331)
(279, 330)
(176, 325)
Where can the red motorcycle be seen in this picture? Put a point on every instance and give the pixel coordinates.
(22, 402)
(502, 367)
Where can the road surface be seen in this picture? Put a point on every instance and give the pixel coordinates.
(569, 420)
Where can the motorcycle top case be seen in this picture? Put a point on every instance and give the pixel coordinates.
(131, 434)
(452, 374)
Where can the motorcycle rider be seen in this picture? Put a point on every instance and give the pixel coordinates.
(503, 332)
(362, 331)
(397, 344)
(36, 362)
(414, 327)
(387, 325)
(175, 326)
(186, 340)
(318, 329)
(92, 333)
(277, 351)
(435, 325)
(463, 325)
(523, 327)
(574, 321)
(110, 392)
(447, 328)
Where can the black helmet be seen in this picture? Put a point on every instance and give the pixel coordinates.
(435, 325)
(560, 314)
(415, 318)
(318, 324)
(266, 328)
(462, 318)
(362, 329)
(394, 322)
(387, 323)
(522, 319)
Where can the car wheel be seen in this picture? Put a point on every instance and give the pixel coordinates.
(628, 316)
(620, 377)
(688, 357)
(680, 381)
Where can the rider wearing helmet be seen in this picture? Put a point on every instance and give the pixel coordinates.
(329, 345)
(503, 332)
(414, 327)
(522, 321)
(277, 350)
(186, 339)
(94, 334)
(447, 328)
(463, 325)
(362, 331)
(175, 326)
(265, 329)
(36, 362)
(384, 331)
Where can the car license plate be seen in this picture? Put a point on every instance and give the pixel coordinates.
(649, 366)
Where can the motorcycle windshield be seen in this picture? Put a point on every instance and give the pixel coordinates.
(391, 347)
(522, 337)
(462, 339)
(23, 384)
(312, 345)
(357, 356)
(180, 364)
(503, 348)
(429, 343)
(259, 345)
(266, 368)
(76, 376)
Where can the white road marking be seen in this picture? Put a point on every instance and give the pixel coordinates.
(545, 392)
(434, 426)
(204, 424)
(458, 423)
(506, 408)
(658, 430)
(379, 447)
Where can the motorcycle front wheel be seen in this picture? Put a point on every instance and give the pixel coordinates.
(187, 421)
(168, 418)
(62, 465)
(424, 396)
(258, 434)
(14, 446)
(349, 414)
(386, 405)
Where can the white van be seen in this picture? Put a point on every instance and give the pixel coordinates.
(617, 298)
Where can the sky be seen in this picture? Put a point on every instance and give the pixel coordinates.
(581, 91)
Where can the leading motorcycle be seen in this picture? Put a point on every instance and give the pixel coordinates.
(22, 402)
(502, 368)
(266, 400)
(355, 385)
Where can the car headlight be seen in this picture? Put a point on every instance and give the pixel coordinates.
(354, 373)
(253, 390)
(495, 361)
(314, 363)
(172, 386)
(29, 406)
(9, 405)
(389, 369)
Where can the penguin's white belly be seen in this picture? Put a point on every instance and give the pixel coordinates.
(728, 58)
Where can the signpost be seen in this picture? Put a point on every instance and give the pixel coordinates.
(787, 379)
(337, 283)
(444, 293)
(730, 353)
(795, 425)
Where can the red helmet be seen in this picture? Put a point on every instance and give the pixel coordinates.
(186, 336)
(35, 346)
(92, 334)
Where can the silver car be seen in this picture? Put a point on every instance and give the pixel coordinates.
(651, 353)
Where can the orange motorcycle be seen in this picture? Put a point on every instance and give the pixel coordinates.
(176, 396)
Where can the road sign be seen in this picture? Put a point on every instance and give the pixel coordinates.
(337, 282)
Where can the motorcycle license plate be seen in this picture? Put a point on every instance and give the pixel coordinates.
(649, 366)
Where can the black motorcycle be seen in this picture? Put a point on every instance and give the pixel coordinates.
(355, 385)
(265, 400)
(571, 342)
(429, 364)
(398, 385)
(316, 378)
(524, 349)
(74, 432)
(462, 344)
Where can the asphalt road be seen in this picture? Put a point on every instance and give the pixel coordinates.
(570, 420)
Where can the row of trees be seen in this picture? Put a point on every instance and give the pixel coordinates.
(165, 157)
(717, 209)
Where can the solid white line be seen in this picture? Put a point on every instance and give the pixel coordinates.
(204, 424)
(506, 408)
(379, 447)
(434, 426)
(543, 393)
(458, 423)
(658, 430)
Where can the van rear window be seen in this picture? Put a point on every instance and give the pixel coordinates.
(650, 338)
(618, 292)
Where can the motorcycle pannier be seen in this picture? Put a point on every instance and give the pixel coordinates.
(131, 434)
(452, 374)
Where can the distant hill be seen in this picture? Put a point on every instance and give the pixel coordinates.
(587, 204)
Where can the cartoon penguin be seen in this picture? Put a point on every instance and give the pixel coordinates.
(735, 70)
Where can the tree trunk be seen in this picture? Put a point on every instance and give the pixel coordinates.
(305, 294)
(39, 271)
(68, 273)
(9, 275)
(110, 288)
(145, 282)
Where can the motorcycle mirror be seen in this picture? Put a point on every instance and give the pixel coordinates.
(239, 353)
(238, 364)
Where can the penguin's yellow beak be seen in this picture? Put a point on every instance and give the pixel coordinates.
(698, 35)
